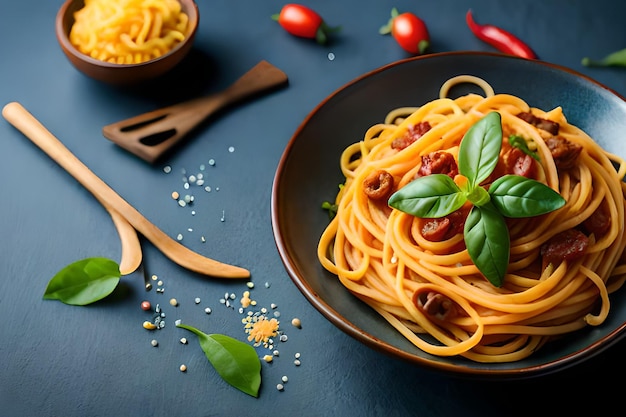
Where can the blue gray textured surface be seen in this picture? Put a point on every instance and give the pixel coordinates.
(57, 360)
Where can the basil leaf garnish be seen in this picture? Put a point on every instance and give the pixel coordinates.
(480, 149)
(486, 234)
(431, 196)
(519, 142)
(84, 282)
(235, 361)
(516, 196)
(487, 241)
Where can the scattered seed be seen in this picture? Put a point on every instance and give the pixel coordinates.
(179, 237)
(297, 355)
(154, 277)
(296, 362)
(183, 340)
(280, 387)
(182, 203)
(149, 325)
(173, 302)
(231, 149)
(331, 56)
(267, 285)
(183, 368)
(212, 162)
(295, 322)
(276, 353)
(167, 169)
(177, 322)
(207, 310)
(175, 195)
(148, 286)
(202, 239)
(284, 378)
(145, 305)
(283, 338)
(197, 300)
(154, 343)
(250, 284)
(268, 358)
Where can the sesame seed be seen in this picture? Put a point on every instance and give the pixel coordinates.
(179, 237)
(154, 277)
(231, 149)
(284, 378)
(183, 340)
(295, 322)
(175, 195)
(296, 362)
(207, 310)
(183, 368)
(297, 355)
(280, 387)
(197, 300)
(250, 284)
(167, 169)
(212, 162)
(173, 302)
(283, 337)
(154, 343)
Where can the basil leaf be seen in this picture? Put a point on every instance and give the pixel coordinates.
(480, 149)
(236, 362)
(487, 242)
(431, 196)
(84, 282)
(516, 196)
(519, 142)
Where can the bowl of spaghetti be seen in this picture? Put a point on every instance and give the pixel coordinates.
(123, 42)
(471, 273)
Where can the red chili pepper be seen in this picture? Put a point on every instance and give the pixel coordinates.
(499, 38)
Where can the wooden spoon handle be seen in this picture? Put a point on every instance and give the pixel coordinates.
(19, 117)
(151, 134)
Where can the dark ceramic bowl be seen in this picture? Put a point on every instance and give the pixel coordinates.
(122, 74)
(308, 174)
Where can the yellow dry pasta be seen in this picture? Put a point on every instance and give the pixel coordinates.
(128, 31)
(382, 256)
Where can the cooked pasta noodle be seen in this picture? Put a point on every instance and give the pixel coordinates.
(128, 31)
(428, 288)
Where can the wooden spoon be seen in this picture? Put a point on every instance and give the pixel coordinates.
(151, 134)
(123, 214)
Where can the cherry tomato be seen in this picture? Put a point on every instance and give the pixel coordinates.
(304, 22)
(409, 31)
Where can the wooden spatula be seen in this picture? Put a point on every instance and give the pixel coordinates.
(152, 134)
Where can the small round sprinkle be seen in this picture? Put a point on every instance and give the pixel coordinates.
(154, 343)
(175, 195)
(154, 277)
(160, 283)
(297, 356)
(276, 353)
(250, 284)
(212, 162)
(331, 56)
(179, 237)
(296, 322)
(231, 149)
(283, 338)
(183, 368)
(284, 378)
(173, 302)
(296, 362)
(167, 169)
(197, 300)
(145, 305)
(280, 387)
(183, 340)
(207, 310)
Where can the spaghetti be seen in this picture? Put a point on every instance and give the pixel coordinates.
(417, 274)
(128, 31)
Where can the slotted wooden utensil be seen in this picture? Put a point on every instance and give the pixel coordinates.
(125, 217)
(152, 134)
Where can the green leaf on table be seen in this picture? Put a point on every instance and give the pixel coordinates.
(615, 59)
(236, 362)
(84, 282)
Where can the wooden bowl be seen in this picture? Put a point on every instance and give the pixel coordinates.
(122, 74)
